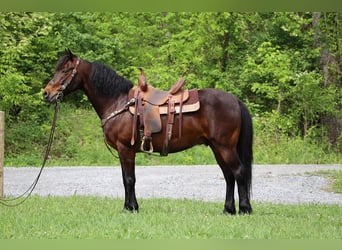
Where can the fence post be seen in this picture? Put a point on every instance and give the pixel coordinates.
(2, 151)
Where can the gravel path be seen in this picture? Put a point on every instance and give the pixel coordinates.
(290, 184)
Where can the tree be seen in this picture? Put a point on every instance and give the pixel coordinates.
(285, 66)
(327, 39)
(20, 73)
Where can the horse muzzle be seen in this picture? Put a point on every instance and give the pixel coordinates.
(52, 97)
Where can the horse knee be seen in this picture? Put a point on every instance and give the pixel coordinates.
(129, 181)
(238, 173)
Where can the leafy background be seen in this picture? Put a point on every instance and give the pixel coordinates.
(286, 66)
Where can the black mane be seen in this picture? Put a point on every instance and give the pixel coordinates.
(107, 82)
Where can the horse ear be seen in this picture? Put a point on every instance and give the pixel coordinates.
(69, 53)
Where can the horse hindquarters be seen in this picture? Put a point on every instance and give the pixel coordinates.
(230, 138)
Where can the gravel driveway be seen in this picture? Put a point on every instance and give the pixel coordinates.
(290, 184)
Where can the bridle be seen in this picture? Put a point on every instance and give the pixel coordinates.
(66, 83)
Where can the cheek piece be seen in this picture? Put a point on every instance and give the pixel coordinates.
(74, 72)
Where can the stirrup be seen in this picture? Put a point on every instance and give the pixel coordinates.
(144, 147)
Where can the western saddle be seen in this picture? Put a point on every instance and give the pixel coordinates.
(150, 104)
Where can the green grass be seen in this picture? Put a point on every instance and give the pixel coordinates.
(335, 180)
(286, 150)
(102, 218)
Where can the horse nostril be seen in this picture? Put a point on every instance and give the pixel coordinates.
(45, 94)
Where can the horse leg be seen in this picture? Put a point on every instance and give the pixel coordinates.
(243, 190)
(233, 170)
(127, 160)
(229, 206)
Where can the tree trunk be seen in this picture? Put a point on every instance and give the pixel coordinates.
(225, 55)
(328, 62)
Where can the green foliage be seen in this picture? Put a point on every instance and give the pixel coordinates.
(102, 218)
(274, 144)
(81, 144)
(19, 81)
(285, 66)
(270, 72)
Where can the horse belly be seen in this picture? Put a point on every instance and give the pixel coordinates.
(192, 133)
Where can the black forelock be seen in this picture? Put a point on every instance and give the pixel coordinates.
(67, 56)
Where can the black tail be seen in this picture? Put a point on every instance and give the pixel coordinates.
(245, 144)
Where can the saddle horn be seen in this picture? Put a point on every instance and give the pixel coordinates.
(142, 83)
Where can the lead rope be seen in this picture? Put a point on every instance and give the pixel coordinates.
(16, 201)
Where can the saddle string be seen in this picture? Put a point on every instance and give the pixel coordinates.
(16, 201)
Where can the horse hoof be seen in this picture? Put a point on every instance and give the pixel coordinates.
(231, 211)
(245, 211)
(131, 209)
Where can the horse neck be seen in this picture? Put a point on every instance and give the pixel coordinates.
(103, 105)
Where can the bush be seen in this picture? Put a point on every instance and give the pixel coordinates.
(79, 141)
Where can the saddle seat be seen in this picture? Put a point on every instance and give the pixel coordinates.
(159, 97)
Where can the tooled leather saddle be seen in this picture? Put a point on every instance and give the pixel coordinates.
(150, 104)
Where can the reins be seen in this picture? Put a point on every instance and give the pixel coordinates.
(16, 201)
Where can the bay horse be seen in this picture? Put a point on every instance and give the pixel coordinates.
(223, 123)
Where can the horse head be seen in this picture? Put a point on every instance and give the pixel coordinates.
(65, 79)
